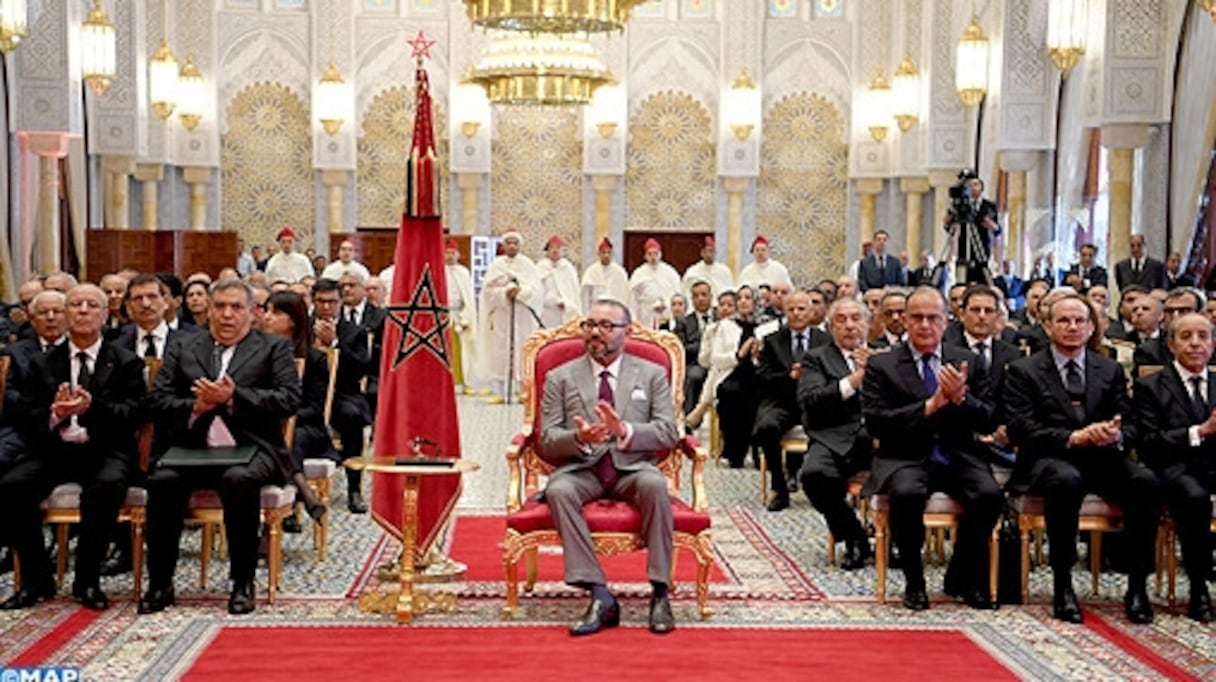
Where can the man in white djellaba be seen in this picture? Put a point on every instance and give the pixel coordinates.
(561, 287)
(651, 286)
(717, 275)
(463, 314)
(604, 278)
(510, 293)
(762, 269)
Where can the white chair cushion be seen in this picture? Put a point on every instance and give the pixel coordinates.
(1091, 505)
(319, 467)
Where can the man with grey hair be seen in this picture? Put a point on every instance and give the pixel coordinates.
(231, 387)
(829, 390)
(79, 408)
(603, 443)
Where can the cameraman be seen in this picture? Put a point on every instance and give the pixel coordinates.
(978, 218)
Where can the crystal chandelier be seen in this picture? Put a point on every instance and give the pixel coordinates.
(542, 69)
(551, 16)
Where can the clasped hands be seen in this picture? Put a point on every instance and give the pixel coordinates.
(1098, 434)
(69, 402)
(609, 426)
(210, 394)
(951, 387)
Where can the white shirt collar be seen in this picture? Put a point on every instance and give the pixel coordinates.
(91, 351)
(1187, 374)
(1061, 360)
(918, 356)
(160, 331)
(971, 340)
(614, 367)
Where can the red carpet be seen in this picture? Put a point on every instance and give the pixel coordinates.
(478, 543)
(549, 653)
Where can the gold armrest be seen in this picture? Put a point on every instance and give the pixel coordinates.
(699, 456)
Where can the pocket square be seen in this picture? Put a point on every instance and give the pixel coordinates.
(638, 394)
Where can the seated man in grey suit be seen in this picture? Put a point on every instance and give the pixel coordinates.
(603, 442)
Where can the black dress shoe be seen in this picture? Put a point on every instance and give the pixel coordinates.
(91, 598)
(117, 563)
(916, 599)
(1200, 608)
(778, 503)
(355, 503)
(291, 524)
(791, 483)
(1139, 610)
(856, 552)
(661, 619)
(978, 598)
(157, 599)
(241, 602)
(27, 597)
(1064, 606)
(598, 615)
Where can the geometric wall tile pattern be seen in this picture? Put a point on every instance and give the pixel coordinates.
(802, 192)
(672, 171)
(536, 177)
(383, 150)
(266, 165)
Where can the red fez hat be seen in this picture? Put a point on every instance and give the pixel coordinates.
(555, 240)
(605, 243)
(760, 240)
(709, 241)
(652, 243)
(452, 245)
(286, 232)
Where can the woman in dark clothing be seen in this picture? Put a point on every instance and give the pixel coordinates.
(287, 315)
(737, 401)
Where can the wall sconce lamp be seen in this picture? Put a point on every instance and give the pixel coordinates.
(190, 94)
(971, 65)
(878, 107)
(470, 100)
(98, 46)
(905, 94)
(606, 111)
(331, 100)
(1066, 27)
(743, 106)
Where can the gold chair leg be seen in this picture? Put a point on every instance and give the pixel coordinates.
(205, 553)
(1095, 558)
(531, 564)
(223, 541)
(1171, 561)
(881, 552)
(763, 480)
(61, 554)
(994, 562)
(1024, 535)
(831, 549)
(137, 554)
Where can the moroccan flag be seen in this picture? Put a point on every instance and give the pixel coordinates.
(417, 397)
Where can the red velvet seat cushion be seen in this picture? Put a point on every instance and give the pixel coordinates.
(606, 516)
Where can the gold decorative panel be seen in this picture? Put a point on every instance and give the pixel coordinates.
(536, 183)
(266, 165)
(384, 147)
(672, 168)
(803, 187)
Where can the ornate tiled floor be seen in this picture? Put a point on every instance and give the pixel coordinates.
(776, 576)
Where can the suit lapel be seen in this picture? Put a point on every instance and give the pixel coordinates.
(1172, 381)
(783, 340)
(103, 367)
(907, 371)
(1093, 392)
(624, 384)
(836, 365)
(588, 387)
(245, 349)
(1056, 385)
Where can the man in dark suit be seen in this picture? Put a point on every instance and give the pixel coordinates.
(923, 274)
(359, 311)
(230, 387)
(892, 308)
(79, 408)
(781, 357)
(148, 334)
(973, 219)
(1155, 350)
(1070, 417)
(830, 396)
(925, 402)
(603, 442)
(1139, 268)
(1176, 426)
(690, 332)
(1174, 275)
(350, 412)
(1088, 269)
(880, 269)
(981, 326)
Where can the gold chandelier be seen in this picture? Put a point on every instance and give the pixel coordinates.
(558, 70)
(98, 45)
(1066, 29)
(551, 16)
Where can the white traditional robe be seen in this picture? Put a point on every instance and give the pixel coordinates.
(463, 314)
(769, 272)
(494, 332)
(717, 275)
(561, 292)
(719, 345)
(604, 280)
(336, 269)
(289, 267)
(650, 290)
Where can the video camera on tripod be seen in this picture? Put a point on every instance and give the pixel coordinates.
(970, 212)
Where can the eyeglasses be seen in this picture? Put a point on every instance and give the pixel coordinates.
(605, 326)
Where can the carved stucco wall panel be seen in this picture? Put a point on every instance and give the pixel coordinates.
(671, 175)
(386, 131)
